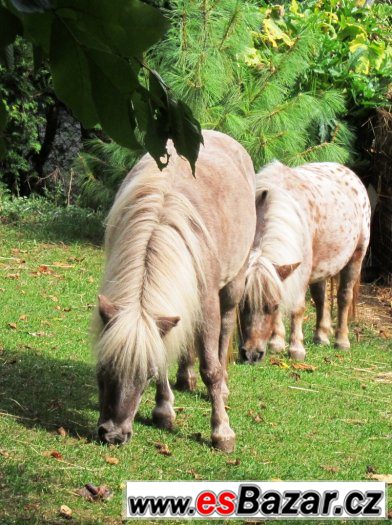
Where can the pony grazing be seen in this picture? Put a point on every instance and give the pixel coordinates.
(177, 249)
(313, 222)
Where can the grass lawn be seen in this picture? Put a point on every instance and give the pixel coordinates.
(334, 423)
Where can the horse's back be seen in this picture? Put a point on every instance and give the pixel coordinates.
(222, 191)
(334, 206)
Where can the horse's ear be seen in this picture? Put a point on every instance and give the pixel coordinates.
(107, 309)
(260, 210)
(285, 270)
(165, 324)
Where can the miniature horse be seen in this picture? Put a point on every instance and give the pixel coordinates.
(177, 249)
(312, 223)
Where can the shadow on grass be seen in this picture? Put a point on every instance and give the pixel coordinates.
(39, 391)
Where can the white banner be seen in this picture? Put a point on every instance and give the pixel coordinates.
(256, 499)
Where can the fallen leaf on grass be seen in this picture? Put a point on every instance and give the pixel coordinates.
(39, 334)
(31, 506)
(354, 421)
(193, 473)
(303, 366)
(295, 376)
(23, 317)
(5, 454)
(162, 449)
(63, 265)
(13, 275)
(62, 432)
(12, 325)
(92, 493)
(53, 454)
(53, 298)
(65, 512)
(256, 417)
(385, 377)
(278, 362)
(330, 468)
(111, 460)
(387, 478)
(236, 461)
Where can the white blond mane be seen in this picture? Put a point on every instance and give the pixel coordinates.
(280, 244)
(153, 268)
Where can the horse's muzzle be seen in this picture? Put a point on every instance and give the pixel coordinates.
(113, 435)
(251, 355)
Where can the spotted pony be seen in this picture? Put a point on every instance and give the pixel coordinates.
(313, 223)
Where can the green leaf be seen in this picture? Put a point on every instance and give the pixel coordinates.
(32, 6)
(186, 132)
(10, 27)
(71, 74)
(113, 81)
(156, 138)
(127, 26)
(38, 28)
(3, 149)
(3, 116)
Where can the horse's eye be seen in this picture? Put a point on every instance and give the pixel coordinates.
(266, 309)
(275, 307)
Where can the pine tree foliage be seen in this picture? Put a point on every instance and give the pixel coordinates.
(210, 61)
(101, 168)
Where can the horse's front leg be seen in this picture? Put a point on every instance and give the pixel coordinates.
(277, 342)
(212, 373)
(229, 298)
(323, 317)
(296, 347)
(163, 414)
(186, 377)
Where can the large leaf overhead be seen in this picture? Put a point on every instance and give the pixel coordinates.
(95, 50)
(32, 6)
(71, 74)
(10, 27)
(127, 26)
(112, 82)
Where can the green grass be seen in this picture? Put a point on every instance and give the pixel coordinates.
(342, 420)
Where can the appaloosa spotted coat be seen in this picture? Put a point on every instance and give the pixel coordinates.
(313, 223)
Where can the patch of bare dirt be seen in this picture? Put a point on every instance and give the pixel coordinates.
(375, 308)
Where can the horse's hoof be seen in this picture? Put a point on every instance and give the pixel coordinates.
(186, 384)
(163, 420)
(343, 345)
(321, 340)
(224, 444)
(276, 348)
(297, 354)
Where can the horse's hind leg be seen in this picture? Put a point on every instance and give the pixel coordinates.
(348, 277)
(186, 377)
(212, 373)
(277, 341)
(323, 322)
(163, 414)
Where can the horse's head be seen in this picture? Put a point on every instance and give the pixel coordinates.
(120, 393)
(260, 305)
